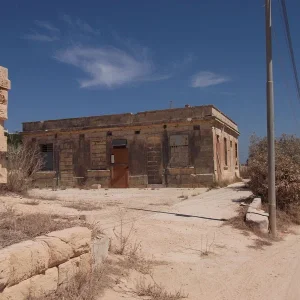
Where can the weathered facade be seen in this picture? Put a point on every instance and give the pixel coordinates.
(187, 147)
(4, 88)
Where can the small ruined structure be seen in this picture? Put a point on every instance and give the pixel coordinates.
(4, 88)
(187, 147)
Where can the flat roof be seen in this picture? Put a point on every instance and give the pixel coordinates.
(139, 118)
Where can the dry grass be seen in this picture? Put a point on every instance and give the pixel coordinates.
(195, 194)
(207, 246)
(87, 286)
(283, 221)
(44, 197)
(32, 202)
(83, 206)
(154, 291)
(239, 222)
(15, 228)
(135, 260)
(183, 197)
(259, 244)
(223, 183)
(160, 204)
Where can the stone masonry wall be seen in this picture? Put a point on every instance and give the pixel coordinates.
(39, 267)
(4, 88)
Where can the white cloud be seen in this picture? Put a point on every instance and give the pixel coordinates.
(109, 67)
(40, 37)
(46, 25)
(79, 24)
(205, 79)
(51, 35)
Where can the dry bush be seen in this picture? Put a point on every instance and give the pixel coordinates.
(86, 286)
(244, 172)
(24, 161)
(155, 291)
(87, 206)
(205, 251)
(135, 260)
(14, 228)
(122, 237)
(287, 174)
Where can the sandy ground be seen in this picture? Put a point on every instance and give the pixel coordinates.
(179, 232)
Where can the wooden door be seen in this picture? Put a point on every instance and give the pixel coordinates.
(120, 172)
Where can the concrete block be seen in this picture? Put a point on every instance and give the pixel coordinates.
(27, 259)
(256, 203)
(19, 291)
(3, 175)
(96, 186)
(78, 238)
(5, 83)
(4, 268)
(44, 284)
(3, 111)
(100, 248)
(3, 72)
(59, 251)
(85, 263)
(67, 271)
(258, 217)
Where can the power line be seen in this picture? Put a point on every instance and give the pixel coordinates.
(290, 44)
(286, 83)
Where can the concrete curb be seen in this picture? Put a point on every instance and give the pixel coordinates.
(257, 216)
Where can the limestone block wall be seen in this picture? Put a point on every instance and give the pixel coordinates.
(4, 88)
(41, 266)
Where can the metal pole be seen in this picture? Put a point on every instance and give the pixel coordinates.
(270, 121)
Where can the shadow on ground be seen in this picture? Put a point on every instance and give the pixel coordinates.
(179, 215)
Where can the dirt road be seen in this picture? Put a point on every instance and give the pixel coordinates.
(233, 269)
(185, 229)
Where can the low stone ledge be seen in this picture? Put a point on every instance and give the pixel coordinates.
(257, 216)
(38, 268)
(21, 261)
(78, 238)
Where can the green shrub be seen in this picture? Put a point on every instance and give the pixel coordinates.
(287, 149)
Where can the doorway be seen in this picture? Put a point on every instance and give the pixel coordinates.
(120, 169)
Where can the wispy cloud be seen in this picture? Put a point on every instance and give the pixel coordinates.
(79, 24)
(205, 79)
(46, 25)
(108, 66)
(49, 33)
(40, 37)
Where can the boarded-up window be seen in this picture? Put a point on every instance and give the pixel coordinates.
(225, 152)
(98, 155)
(47, 153)
(236, 154)
(179, 151)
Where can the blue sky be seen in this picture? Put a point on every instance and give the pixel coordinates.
(102, 57)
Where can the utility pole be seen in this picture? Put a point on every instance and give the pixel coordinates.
(270, 120)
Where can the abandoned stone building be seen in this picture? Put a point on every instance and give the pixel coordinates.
(182, 147)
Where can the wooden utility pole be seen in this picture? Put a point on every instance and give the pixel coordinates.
(270, 120)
